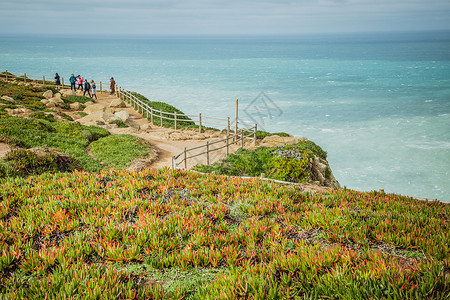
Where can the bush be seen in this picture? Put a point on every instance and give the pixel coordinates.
(79, 99)
(42, 116)
(262, 134)
(21, 162)
(287, 163)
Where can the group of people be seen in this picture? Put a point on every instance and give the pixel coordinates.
(78, 83)
(83, 84)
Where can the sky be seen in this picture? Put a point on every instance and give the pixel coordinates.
(216, 17)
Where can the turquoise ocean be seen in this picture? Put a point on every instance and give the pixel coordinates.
(378, 103)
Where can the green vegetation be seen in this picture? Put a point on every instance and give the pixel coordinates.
(287, 163)
(262, 134)
(79, 99)
(69, 138)
(119, 151)
(168, 234)
(170, 109)
(22, 162)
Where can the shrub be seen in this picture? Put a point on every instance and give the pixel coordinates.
(21, 162)
(42, 116)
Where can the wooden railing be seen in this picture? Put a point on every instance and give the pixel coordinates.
(44, 80)
(237, 138)
(155, 115)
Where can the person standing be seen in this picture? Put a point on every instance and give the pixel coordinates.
(72, 80)
(112, 86)
(80, 82)
(93, 90)
(57, 81)
(87, 88)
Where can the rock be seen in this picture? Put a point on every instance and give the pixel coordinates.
(322, 173)
(57, 95)
(94, 108)
(133, 124)
(48, 94)
(88, 103)
(56, 101)
(117, 103)
(50, 105)
(68, 93)
(75, 106)
(44, 101)
(94, 117)
(146, 127)
(275, 140)
(8, 98)
(123, 115)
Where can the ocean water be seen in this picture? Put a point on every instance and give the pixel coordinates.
(379, 104)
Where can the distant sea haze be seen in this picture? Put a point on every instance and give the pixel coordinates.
(378, 103)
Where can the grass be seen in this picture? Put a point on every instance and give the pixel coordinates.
(119, 151)
(168, 234)
(287, 163)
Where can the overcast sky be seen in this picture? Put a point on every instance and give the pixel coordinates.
(221, 16)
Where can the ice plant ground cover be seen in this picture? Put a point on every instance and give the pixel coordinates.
(177, 234)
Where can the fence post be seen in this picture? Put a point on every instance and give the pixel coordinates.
(160, 116)
(43, 80)
(24, 77)
(228, 126)
(228, 144)
(185, 159)
(6, 72)
(207, 153)
(242, 138)
(255, 133)
(151, 114)
(62, 81)
(101, 89)
(200, 122)
(236, 117)
(175, 120)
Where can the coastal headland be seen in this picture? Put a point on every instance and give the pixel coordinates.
(90, 209)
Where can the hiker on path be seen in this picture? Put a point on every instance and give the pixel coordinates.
(80, 82)
(87, 88)
(93, 90)
(57, 80)
(112, 86)
(73, 81)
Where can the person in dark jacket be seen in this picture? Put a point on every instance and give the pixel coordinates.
(57, 80)
(73, 81)
(112, 86)
(87, 88)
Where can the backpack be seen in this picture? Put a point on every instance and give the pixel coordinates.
(88, 86)
(93, 86)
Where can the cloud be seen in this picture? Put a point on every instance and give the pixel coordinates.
(221, 16)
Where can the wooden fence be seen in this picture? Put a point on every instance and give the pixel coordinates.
(43, 80)
(237, 138)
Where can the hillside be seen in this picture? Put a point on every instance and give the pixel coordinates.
(74, 224)
(177, 234)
